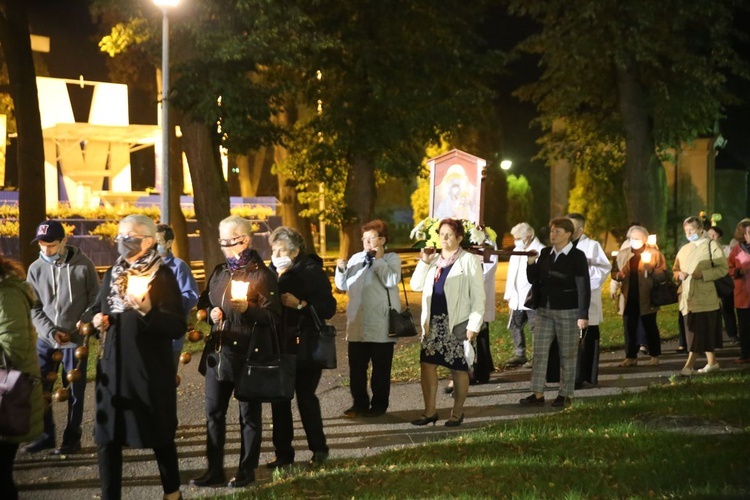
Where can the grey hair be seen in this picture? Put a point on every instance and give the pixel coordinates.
(290, 237)
(637, 228)
(242, 227)
(146, 226)
(522, 230)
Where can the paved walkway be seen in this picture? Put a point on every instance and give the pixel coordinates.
(43, 476)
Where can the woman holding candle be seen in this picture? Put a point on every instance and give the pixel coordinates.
(138, 313)
(242, 301)
(637, 266)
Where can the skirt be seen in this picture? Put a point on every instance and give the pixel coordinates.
(703, 331)
(441, 347)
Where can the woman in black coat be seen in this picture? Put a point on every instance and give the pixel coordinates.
(234, 322)
(303, 286)
(136, 400)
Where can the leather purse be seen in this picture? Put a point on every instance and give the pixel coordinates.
(400, 324)
(322, 343)
(269, 379)
(15, 401)
(663, 293)
(725, 284)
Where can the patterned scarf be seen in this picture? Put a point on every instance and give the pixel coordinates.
(242, 260)
(146, 265)
(442, 262)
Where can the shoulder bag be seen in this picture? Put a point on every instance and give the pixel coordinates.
(15, 401)
(725, 284)
(663, 293)
(323, 343)
(400, 324)
(270, 379)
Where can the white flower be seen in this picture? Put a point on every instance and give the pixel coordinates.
(477, 236)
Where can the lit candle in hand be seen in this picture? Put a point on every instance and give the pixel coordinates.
(651, 240)
(239, 290)
(646, 259)
(138, 286)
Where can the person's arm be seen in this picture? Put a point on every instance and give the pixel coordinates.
(476, 294)
(720, 267)
(659, 271)
(583, 286)
(599, 266)
(14, 325)
(417, 281)
(320, 296)
(45, 327)
(341, 275)
(188, 286)
(166, 316)
(92, 282)
(388, 269)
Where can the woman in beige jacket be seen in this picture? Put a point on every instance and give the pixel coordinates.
(699, 302)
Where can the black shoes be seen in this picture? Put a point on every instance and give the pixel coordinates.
(68, 449)
(354, 411)
(372, 412)
(532, 400)
(279, 462)
(39, 445)
(516, 361)
(425, 420)
(209, 479)
(561, 402)
(242, 479)
(454, 421)
(319, 457)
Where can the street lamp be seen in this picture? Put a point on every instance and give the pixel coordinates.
(506, 164)
(165, 5)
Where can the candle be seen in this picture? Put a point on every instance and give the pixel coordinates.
(138, 285)
(651, 240)
(646, 259)
(239, 290)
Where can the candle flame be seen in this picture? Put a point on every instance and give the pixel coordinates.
(646, 257)
(138, 285)
(239, 290)
(651, 240)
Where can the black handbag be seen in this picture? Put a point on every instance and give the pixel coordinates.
(15, 401)
(400, 324)
(322, 343)
(664, 293)
(267, 380)
(725, 284)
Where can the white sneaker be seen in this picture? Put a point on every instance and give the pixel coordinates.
(709, 368)
(687, 372)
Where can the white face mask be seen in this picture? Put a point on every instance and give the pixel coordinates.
(281, 263)
(635, 244)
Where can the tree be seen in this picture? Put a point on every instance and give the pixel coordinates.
(15, 40)
(520, 200)
(648, 74)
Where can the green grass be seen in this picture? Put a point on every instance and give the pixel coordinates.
(406, 355)
(597, 448)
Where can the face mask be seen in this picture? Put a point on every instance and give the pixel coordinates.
(49, 258)
(162, 250)
(636, 244)
(129, 247)
(693, 237)
(281, 263)
(242, 259)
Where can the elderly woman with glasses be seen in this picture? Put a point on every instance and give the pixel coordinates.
(138, 313)
(371, 278)
(305, 291)
(234, 321)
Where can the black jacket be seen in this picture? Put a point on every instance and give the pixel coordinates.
(307, 281)
(562, 283)
(136, 391)
(227, 347)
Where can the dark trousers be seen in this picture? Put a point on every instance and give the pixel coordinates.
(743, 320)
(360, 356)
(110, 468)
(7, 458)
(682, 338)
(587, 368)
(218, 395)
(72, 433)
(306, 383)
(483, 365)
(727, 312)
(631, 334)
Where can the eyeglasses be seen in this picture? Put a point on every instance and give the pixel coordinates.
(231, 242)
(129, 237)
(370, 240)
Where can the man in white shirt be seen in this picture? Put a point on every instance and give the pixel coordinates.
(517, 288)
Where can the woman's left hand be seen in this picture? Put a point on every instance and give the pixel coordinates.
(583, 324)
(470, 335)
(140, 304)
(290, 300)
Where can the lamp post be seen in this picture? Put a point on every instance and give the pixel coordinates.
(506, 164)
(165, 5)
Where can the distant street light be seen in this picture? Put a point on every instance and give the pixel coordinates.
(506, 164)
(165, 5)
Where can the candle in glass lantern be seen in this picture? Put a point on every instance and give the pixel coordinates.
(138, 285)
(646, 259)
(651, 240)
(239, 290)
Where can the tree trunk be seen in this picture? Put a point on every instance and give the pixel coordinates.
(644, 177)
(251, 167)
(15, 40)
(211, 190)
(290, 205)
(181, 245)
(360, 205)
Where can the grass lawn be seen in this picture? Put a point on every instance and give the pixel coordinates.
(609, 447)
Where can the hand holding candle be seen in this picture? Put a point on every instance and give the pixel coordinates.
(137, 293)
(239, 295)
(646, 259)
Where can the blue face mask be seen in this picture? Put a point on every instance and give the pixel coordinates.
(693, 237)
(49, 258)
(162, 250)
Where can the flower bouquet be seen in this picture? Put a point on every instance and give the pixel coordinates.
(426, 234)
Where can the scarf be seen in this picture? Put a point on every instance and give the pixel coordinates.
(146, 265)
(242, 260)
(442, 262)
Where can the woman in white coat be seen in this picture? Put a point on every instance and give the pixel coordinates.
(369, 277)
(453, 297)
